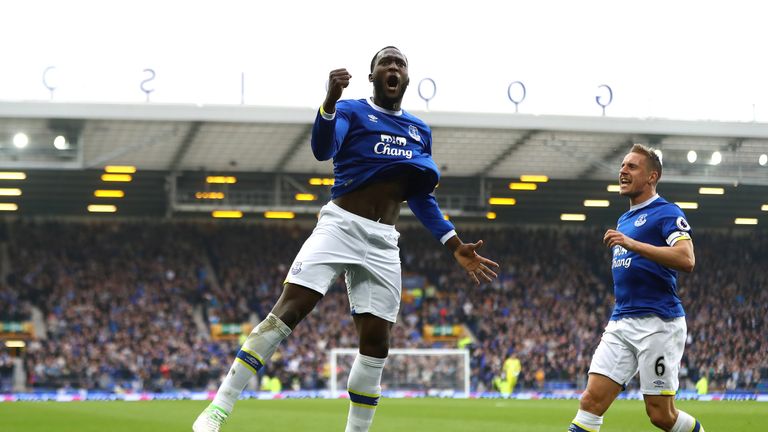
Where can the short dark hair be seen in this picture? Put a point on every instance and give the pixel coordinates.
(373, 60)
(650, 153)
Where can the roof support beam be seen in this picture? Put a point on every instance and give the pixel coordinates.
(301, 139)
(604, 162)
(184, 146)
(511, 148)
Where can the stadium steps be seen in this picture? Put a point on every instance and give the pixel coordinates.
(202, 327)
(19, 375)
(213, 280)
(38, 324)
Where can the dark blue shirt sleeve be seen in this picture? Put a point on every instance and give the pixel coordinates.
(429, 214)
(327, 135)
(674, 226)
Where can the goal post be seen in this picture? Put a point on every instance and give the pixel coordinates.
(424, 370)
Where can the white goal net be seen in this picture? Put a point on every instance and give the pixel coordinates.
(411, 371)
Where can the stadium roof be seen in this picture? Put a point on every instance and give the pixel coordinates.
(275, 139)
(175, 146)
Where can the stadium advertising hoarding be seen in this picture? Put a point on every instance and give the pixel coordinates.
(75, 396)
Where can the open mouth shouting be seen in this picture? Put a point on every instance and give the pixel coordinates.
(392, 83)
(624, 182)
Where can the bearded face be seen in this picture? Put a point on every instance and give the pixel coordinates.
(390, 78)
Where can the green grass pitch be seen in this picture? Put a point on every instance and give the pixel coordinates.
(393, 415)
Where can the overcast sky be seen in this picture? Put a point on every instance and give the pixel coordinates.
(676, 59)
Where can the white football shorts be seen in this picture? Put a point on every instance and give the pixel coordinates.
(649, 345)
(366, 250)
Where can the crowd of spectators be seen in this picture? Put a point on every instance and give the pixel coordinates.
(554, 296)
(727, 302)
(119, 299)
(116, 301)
(14, 306)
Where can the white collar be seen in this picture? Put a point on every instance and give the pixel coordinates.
(645, 203)
(384, 110)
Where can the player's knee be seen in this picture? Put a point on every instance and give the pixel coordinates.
(291, 312)
(290, 317)
(662, 422)
(379, 349)
(374, 346)
(295, 303)
(661, 417)
(592, 403)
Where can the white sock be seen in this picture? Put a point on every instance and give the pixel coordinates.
(588, 421)
(685, 423)
(258, 348)
(364, 388)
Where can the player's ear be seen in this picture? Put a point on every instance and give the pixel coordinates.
(370, 77)
(654, 177)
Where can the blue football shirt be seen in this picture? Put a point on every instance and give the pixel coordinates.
(369, 143)
(641, 286)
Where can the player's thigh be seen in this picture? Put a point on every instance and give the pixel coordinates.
(660, 350)
(614, 358)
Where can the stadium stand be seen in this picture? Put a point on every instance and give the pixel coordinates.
(124, 302)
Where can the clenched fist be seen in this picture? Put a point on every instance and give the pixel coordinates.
(338, 80)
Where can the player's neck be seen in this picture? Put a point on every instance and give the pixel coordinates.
(386, 104)
(643, 197)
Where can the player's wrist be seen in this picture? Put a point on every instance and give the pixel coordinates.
(328, 113)
(453, 243)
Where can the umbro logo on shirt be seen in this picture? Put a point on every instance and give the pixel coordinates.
(373, 118)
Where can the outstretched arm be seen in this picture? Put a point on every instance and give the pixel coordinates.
(428, 212)
(328, 132)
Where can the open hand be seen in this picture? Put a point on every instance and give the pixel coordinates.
(478, 268)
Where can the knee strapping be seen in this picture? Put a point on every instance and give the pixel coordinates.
(266, 337)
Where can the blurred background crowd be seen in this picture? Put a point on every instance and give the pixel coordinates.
(129, 306)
